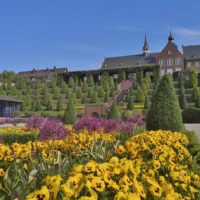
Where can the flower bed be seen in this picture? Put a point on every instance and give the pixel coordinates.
(96, 165)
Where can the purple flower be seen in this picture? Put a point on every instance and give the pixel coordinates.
(53, 129)
(35, 121)
(109, 126)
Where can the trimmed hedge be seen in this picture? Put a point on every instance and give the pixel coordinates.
(191, 115)
(10, 138)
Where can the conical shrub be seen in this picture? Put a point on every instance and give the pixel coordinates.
(164, 112)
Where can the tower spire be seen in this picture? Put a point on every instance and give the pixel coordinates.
(146, 49)
(170, 38)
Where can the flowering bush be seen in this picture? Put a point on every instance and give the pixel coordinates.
(53, 129)
(109, 126)
(35, 121)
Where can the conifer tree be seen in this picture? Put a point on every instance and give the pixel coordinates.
(94, 97)
(59, 105)
(101, 92)
(194, 79)
(106, 98)
(182, 98)
(130, 103)
(139, 76)
(84, 99)
(90, 81)
(112, 92)
(79, 93)
(64, 87)
(164, 112)
(71, 82)
(147, 102)
(139, 95)
(114, 112)
(49, 105)
(70, 113)
(85, 87)
(121, 75)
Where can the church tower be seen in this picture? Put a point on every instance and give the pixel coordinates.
(146, 49)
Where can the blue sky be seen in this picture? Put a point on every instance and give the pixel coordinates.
(78, 34)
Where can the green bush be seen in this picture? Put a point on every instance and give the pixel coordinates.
(71, 82)
(130, 103)
(147, 102)
(101, 92)
(139, 95)
(90, 81)
(79, 93)
(94, 97)
(70, 113)
(10, 138)
(114, 112)
(164, 112)
(59, 105)
(85, 87)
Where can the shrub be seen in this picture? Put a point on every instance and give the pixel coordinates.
(85, 87)
(101, 92)
(90, 81)
(114, 112)
(194, 79)
(139, 76)
(84, 99)
(147, 102)
(11, 138)
(79, 93)
(94, 97)
(64, 87)
(49, 105)
(71, 82)
(59, 105)
(106, 98)
(164, 112)
(130, 103)
(182, 98)
(70, 113)
(53, 129)
(139, 95)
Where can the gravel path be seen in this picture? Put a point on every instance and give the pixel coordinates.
(193, 127)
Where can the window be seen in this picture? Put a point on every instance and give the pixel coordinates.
(161, 62)
(177, 61)
(169, 62)
(169, 52)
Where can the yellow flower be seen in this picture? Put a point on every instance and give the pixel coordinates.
(156, 164)
(120, 149)
(120, 196)
(155, 190)
(42, 194)
(98, 184)
(90, 167)
(2, 173)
